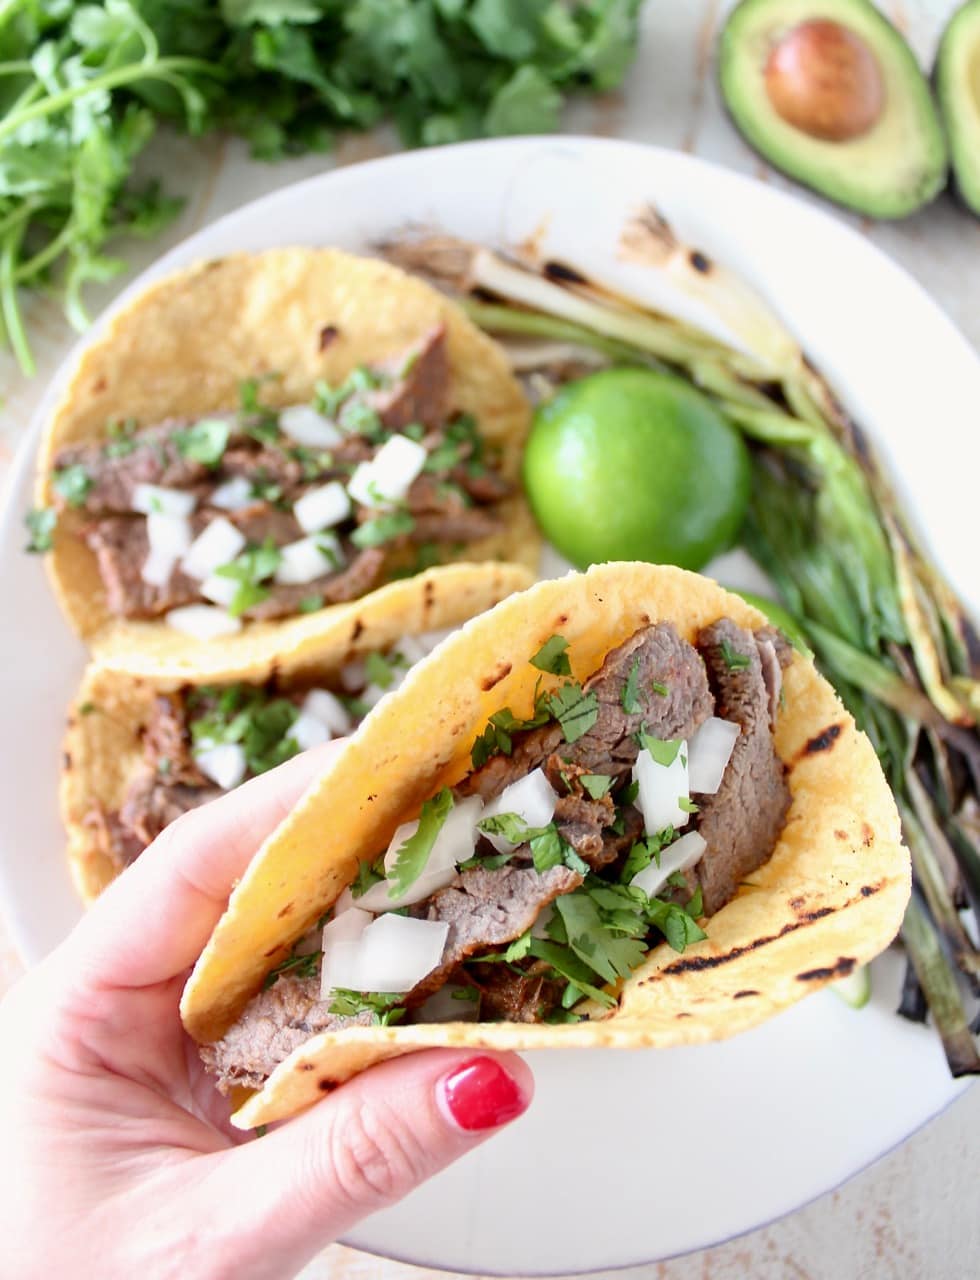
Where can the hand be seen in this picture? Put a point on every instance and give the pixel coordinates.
(118, 1157)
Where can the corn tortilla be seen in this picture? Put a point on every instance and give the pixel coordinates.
(103, 747)
(831, 896)
(182, 348)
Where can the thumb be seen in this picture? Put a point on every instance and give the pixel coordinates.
(301, 1186)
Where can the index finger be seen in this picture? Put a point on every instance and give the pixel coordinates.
(153, 921)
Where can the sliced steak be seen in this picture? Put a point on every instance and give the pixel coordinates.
(120, 545)
(506, 996)
(530, 749)
(420, 392)
(487, 909)
(352, 582)
(115, 840)
(483, 486)
(167, 742)
(581, 822)
(152, 803)
(152, 458)
(275, 1022)
(468, 525)
(742, 821)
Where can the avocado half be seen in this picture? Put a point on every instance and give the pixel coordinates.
(957, 79)
(829, 92)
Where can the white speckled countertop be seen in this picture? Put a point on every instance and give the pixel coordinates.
(913, 1214)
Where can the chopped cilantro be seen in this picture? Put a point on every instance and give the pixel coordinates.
(248, 392)
(603, 948)
(644, 852)
(360, 418)
(309, 604)
(382, 529)
(254, 566)
(302, 966)
(629, 792)
(265, 490)
(663, 751)
(368, 874)
(121, 443)
(40, 525)
(73, 484)
(379, 670)
(87, 708)
(630, 696)
(687, 804)
(519, 948)
(465, 993)
(551, 657)
(384, 1006)
(496, 739)
(677, 924)
(574, 709)
(461, 441)
(568, 965)
(734, 660)
(547, 847)
(261, 1130)
(426, 555)
(204, 442)
(246, 714)
(414, 853)
(659, 687)
(414, 431)
(596, 784)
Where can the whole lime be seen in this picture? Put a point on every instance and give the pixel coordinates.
(632, 464)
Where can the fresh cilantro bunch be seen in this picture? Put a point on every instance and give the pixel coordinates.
(83, 86)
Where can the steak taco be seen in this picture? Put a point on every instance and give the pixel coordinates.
(261, 438)
(143, 749)
(615, 810)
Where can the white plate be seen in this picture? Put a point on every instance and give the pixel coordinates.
(624, 1157)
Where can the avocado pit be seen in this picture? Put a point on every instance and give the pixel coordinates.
(823, 79)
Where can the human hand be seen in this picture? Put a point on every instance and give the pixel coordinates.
(118, 1157)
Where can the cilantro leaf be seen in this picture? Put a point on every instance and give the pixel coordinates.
(663, 751)
(254, 566)
(414, 853)
(309, 604)
(248, 715)
(204, 442)
(574, 709)
(630, 695)
(660, 688)
(301, 966)
(368, 874)
(384, 1006)
(551, 657)
(379, 670)
(519, 948)
(565, 962)
(40, 526)
(734, 660)
(596, 784)
(382, 529)
(73, 484)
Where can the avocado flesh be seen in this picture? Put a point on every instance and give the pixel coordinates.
(891, 170)
(957, 80)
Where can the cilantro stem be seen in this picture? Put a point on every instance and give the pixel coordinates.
(16, 69)
(55, 246)
(8, 298)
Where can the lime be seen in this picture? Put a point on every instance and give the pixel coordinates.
(779, 617)
(630, 464)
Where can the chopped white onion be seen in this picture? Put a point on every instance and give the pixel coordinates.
(202, 621)
(388, 476)
(532, 798)
(217, 544)
(155, 498)
(339, 933)
(430, 639)
(305, 561)
(220, 590)
(445, 1005)
(233, 494)
(411, 651)
(709, 752)
(223, 764)
(353, 676)
(391, 955)
(169, 537)
(373, 694)
(307, 731)
(455, 843)
(329, 710)
(344, 902)
(679, 856)
(662, 787)
(326, 505)
(302, 423)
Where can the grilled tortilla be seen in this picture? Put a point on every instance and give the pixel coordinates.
(129, 765)
(830, 896)
(158, 399)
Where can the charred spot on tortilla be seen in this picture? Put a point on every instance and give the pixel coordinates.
(742, 995)
(822, 741)
(700, 262)
(561, 272)
(867, 835)
(327, 334)
(491, 681)
(286, 910)
(843, 966)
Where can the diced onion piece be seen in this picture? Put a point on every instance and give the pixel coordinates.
(389, 474)
(326, 505)
(444, 1006)
(302, 423)
(532, 798)
(662, 787)
(329, 710)
(411, 650)
(217, 544)
(155, 498)
(169, 537)
(233, 494)
(679, 856)
(344, 902)
(430, 639)
(307, 731)
(540, 927)
(455, 843)
(304, 561)
(353, 676)
(220, 590)
(391, 955)
(339, 935)
(202, 621)
(373, 694)
(709, 752)
(223, 764)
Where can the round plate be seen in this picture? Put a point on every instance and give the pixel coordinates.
(624, 1157)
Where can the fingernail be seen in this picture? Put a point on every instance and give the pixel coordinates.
(481, 1095)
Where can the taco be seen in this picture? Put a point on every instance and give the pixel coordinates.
(616, 810)
(261, 438)
(143, 749)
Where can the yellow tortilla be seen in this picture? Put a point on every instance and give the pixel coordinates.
(103, 748)
(182, 348)
(831, 896)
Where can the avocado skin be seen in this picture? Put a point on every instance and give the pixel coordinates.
(953, 61)
(879, 191)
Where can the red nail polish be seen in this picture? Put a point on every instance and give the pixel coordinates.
(481, 1095)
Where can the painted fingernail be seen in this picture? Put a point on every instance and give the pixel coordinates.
(481, 1095)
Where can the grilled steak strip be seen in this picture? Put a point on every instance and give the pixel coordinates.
(741, 822)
